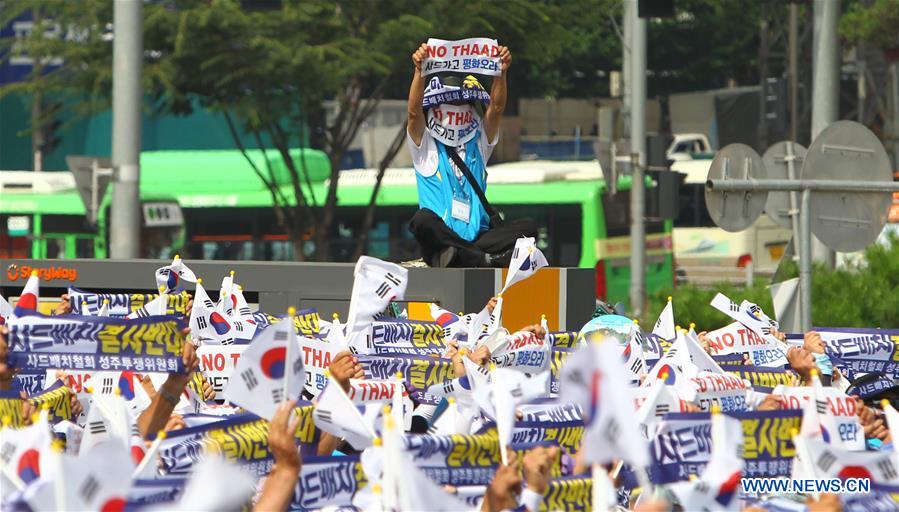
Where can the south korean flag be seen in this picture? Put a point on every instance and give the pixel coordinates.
(173, 276)
(377, 283)
(210, 325)
(527, 259)
(270, 371)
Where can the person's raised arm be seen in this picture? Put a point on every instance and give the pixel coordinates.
(416, 122)
(156, 416)
(494, 115)
(281, 482)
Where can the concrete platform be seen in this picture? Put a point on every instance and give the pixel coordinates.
(565, 295)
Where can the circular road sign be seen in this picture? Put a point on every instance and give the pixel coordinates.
(848, 221)
(736, 211)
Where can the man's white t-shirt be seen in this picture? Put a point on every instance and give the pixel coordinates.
(426, 156)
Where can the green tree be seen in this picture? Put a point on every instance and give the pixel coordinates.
(876, 24)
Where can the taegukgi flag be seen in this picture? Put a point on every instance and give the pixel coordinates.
(173, 276)
(527, 259)
(31, 295)
(664, 326)
(269, 372)
(377, 283)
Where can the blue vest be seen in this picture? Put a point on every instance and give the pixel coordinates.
(436, 192)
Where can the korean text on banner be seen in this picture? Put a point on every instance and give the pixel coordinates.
(475, 55)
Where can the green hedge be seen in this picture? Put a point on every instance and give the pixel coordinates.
(865, 294)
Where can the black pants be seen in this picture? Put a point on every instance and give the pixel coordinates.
(434, 235)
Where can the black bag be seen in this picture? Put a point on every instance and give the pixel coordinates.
(495, 219)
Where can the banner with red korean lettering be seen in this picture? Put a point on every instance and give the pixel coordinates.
(151, 344)
(474, 55)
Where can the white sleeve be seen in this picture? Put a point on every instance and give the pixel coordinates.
(424, 157)
(486, 146)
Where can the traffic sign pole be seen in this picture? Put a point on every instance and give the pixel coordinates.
(804, 235)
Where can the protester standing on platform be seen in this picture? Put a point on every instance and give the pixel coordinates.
(453, 225)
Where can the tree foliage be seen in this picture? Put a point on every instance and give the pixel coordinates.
(862, 294)
(876, 24)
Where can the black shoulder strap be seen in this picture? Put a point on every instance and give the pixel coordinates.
(491, 211)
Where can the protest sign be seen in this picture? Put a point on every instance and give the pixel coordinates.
(864, 350)
(56, 399)
(654, 347)
(562, 339)
(456, 459)
(557, 361)
(241, 438)
(568, 493)
(31, 381)
(217, 363)
(120, 304)
(152, 344)
(767, 442)
(419, 372)
(406, 337)
(317, 355)
(550, 411)
(842, 407)
(761, 379)
(328, 482)
(568, 434)
(306, 322)
(145, 492)
(473, 55)
(707, 389)
(523, 351)
(773, 353)
(736, 338)
(682, 445)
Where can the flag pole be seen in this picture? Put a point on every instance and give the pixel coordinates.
(291, 311)
(151, 453)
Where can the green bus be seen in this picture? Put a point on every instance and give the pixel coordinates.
(228, 215)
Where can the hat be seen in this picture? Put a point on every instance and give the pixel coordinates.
(451, 89)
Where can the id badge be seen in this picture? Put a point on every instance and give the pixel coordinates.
(461, 209)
